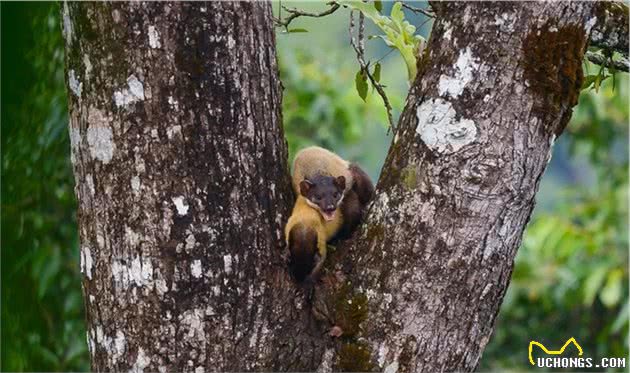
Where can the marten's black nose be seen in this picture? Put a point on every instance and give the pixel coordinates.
(330, 208)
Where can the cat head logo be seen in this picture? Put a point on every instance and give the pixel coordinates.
(553, 352)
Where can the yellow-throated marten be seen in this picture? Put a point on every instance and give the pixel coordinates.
(332, 195)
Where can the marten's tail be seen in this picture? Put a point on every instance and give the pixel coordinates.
(303, 247)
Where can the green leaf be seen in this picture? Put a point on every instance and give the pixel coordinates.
(295, 30)
(399, 33)
(360, 82)
(377, 72)
(588, 81)
(611, 293)
(378, 4)
(597, 83)
(621, 320)
(397, 14)
(592, 284)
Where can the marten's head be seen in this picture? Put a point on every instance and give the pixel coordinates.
(324, 193)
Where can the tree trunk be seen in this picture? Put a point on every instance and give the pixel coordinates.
(435, 255)
(181, 176)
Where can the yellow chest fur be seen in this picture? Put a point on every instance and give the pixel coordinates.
(306, 215)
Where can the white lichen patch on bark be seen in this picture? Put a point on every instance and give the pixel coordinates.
(227, 264)
(89, 180)
(427, 212)
(75, 141)
(589, 24)
(135, 183)
(119, 345)
(134, 92)
(439, 128)
(160, 283)
(138, 271)
(101, 143)
(141, 271)
(382, 353)
(552, 140)
(86, 261)
(154, 38)
(464, 68)
(172, 131)
(505, 22)
(195, 268)
(75, 85)
(326, 364)
(88, 66)
(194, 320)
(100, 136)
(67, 24)
(190, 242)
(449, 30)
(142, 361)
(392, 368)
(231, 42)
(180, 205)
(132, 238)
(90, 341)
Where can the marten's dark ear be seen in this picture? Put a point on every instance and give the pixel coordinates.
(340, 182)
(305, 187)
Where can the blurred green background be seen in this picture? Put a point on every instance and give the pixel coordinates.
(571, 274)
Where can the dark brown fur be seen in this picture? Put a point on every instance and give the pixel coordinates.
(362, 184)
(303, 249)
(354, 203)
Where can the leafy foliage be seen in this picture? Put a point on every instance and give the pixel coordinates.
(319, 106)
(398, 32)
(605, 71)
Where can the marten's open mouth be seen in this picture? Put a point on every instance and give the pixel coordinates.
(328, 215)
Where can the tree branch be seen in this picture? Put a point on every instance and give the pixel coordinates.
(418, 10)
(436, 250)
(611, 28)
(295, 13)
(359, 48)
(621, 64)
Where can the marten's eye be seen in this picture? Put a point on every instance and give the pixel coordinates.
(316, 198)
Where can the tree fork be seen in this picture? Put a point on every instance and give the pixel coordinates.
(183, 187)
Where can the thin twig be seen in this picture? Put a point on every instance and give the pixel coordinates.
(385, 55)
(418, 10)
(295, 13)
(359, 48)
(621, 64)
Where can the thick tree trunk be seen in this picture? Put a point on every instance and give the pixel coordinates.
(183, 188)
(181, 176)
(435, 255)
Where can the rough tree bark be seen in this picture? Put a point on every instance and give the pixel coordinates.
(181, 176)
(457, 188)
